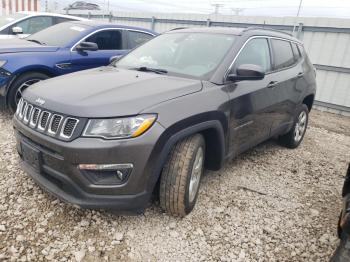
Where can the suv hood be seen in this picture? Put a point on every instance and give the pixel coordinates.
(108, 92)
(17, 45)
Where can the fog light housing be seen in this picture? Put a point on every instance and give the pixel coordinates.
(107, 174)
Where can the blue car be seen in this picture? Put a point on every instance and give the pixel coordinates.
(61, 49)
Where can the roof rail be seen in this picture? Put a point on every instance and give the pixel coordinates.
(265, 28)
(177, 28)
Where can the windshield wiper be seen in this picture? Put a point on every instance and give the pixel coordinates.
(36, 41)
(150, 69)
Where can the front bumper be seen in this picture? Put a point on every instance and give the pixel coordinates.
(58, 171)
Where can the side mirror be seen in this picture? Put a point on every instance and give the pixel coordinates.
(247, 72)
(87, 46)
(114, 59)
(17, 30)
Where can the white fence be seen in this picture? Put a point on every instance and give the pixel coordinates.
(12, 6)
(327, 41)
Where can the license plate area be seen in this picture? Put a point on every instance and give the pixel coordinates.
(31, 156)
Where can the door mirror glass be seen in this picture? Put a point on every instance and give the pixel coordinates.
(87, 46)
(247, 72)
(17, 30)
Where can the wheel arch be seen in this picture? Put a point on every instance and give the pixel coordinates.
(213, 132)
(27, 70)
(309, 101)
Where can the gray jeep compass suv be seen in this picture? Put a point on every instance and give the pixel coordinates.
(151, 122)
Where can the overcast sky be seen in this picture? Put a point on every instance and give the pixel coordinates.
(330, 8)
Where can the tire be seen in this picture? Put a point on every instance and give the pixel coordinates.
(22, 82)
(187, 156)
(3, 106)
(291, 139)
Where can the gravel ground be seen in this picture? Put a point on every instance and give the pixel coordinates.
(269, 204)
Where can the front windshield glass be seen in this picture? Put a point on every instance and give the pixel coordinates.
(4, 20)
(192, 54)
(58, 35)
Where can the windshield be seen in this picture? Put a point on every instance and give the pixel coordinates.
(192, 54)
(58, 35)
(4, 20)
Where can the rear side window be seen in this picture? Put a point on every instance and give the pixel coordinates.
(255, 52)
(35, 24)
(296, 52)
(107, 40)
(62, 20)
(137, 38)
(283, 54)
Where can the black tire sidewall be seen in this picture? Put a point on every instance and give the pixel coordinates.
(11, 95)
(190, 205)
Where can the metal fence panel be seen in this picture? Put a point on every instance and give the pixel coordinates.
(327, 41)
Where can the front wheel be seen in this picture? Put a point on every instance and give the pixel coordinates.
(181, 176)
(19, 85)
(294, 137)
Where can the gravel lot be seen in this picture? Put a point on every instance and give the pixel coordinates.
(270, 204)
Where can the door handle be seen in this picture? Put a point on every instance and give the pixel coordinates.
(272, 84)
(300, 75)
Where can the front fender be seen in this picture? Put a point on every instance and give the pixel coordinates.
(171, 136)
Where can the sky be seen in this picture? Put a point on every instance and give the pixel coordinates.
(313, 8)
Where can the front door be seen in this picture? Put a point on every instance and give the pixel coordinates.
(251, 101)
(110, 43)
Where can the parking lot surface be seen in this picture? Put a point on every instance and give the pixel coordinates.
(269, 204)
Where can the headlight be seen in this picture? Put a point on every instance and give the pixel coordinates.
(2, 63)
(119, 127)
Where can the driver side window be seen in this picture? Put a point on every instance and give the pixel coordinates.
(255, 52)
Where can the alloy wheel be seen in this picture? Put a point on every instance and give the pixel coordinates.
(300, 126)
(196, 174)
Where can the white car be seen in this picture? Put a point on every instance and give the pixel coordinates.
(23, 24)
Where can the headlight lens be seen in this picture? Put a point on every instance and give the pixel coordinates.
(119, 127)
(2, 63)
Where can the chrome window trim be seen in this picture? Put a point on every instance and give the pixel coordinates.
(64, 124)
(104, 29)
(40, 118)
(31, 122)
(254, 37)
(49, 130)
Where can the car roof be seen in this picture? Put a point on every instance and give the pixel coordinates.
(101, 25)
(250, 31)
(30, 13)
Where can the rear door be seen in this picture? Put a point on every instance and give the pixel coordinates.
(287, 70)
(110, 42)
(251, 101)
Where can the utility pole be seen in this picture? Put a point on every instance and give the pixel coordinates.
(237, 11)
(46, 5)
(217, 7)
(298, 13)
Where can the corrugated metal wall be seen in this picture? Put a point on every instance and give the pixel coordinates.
(12, 6)
(327, 41)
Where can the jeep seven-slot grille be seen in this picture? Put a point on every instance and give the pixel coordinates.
(50, 123)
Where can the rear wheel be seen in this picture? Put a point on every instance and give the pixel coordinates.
(294, 137)
(19, 85)
(181, 176)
